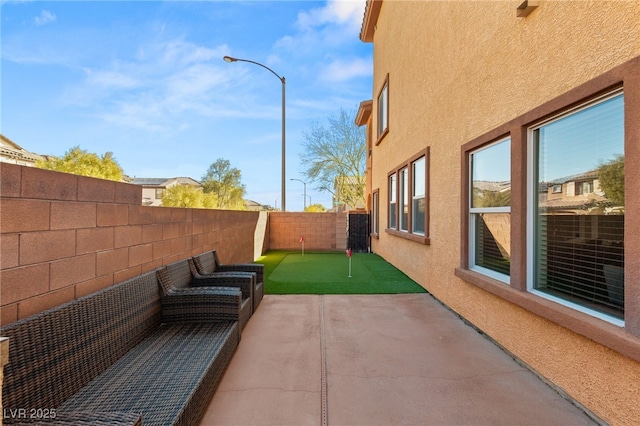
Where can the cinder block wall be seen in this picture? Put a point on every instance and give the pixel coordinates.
(64, 236)
(321, 231)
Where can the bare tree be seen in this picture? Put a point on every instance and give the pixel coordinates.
(334, 158)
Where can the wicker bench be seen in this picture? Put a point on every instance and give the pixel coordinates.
(125, 355)
(209, 263)
(178, 279)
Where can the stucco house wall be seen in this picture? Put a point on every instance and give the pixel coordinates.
(463, 72)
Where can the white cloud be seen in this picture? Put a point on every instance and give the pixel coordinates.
(321, 31)
(110, 79)
(44, 18)
(162, 87)
(347, 13)
(340, 70)
(179, 52)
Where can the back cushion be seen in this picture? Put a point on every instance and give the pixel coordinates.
(55, 353)
(179, 274)
(205, 263)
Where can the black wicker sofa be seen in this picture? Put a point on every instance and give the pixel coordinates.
(181, 278)
(208, 263)
(127, 355)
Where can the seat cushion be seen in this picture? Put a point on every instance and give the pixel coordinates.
(169, 378)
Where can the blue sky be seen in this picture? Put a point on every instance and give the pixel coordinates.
(146, 81)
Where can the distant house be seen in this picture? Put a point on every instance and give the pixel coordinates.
(255, 206)
(11, 152)
(576, 195)
(153, 188)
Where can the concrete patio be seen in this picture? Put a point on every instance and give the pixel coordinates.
(376, 360)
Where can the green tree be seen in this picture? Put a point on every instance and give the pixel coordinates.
(315, 208)
(209, 200)
(182, 196)
(611, 175)
(80, 162)
(188, 196)
(225, 182)
(488, 198)
(334, 158)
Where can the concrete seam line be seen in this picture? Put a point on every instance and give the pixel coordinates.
(323, 366)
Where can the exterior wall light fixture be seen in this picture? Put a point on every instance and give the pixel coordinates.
(526, 7)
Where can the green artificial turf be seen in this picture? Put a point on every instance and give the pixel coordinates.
(328, 273)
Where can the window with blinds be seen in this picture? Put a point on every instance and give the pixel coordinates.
(578, 207)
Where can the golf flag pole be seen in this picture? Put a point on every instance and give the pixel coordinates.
(302, 241)
(349, 256)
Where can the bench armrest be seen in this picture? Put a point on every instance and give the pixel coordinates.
(244, 281)
(201, 304)
(257, 268)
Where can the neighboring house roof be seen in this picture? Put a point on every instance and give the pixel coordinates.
(592, 201)
(148, 181)
(14, 152)
(486, 185)
(164, 182)
(593, 174)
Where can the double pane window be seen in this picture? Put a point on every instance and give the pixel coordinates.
(490, 212)
(404, 199)
(374, 212)
(383, 110)
(392, 201)
(418, 206)
(408, 198)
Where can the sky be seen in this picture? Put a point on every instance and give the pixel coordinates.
(146, 81)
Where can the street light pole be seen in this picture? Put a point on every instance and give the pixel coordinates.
(283, 81)
(305, 192)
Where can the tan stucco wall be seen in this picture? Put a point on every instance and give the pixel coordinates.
(456, 71)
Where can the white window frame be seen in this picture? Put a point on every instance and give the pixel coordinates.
(418, 196)
(531, 214)
(375, 209)
(393, 201)
(403, 199)
(474, 211)
(383, 109)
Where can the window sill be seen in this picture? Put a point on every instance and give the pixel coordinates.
(382, 136)
(598, 330)
(412, 237)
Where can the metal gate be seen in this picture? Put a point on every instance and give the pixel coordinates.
(358, 232)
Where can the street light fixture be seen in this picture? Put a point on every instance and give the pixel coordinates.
(305, 192)
(283, 81)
